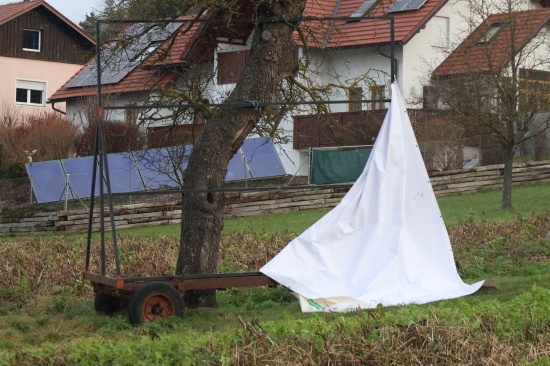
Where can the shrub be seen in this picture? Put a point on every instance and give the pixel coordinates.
(41, 136)
(51, 135)
(119, 137)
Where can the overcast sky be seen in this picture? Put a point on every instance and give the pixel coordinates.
(72, 9)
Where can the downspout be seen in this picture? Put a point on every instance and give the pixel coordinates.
(391, 59)
(57, 110)
(331, 24)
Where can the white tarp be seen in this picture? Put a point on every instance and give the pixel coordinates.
(385, 243)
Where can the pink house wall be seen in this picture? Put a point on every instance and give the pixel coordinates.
(54, 74)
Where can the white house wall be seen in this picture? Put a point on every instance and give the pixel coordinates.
(425, 51)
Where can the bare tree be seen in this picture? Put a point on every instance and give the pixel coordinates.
(498, 79)
(272, 72)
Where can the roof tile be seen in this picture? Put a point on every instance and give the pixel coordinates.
(473, 56)
(342, 34)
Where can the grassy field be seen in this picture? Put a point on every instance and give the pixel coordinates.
(454, 208)
(47, 315)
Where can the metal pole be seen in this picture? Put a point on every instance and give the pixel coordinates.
(104, 169)
(67, 187)
(96, 147)
(392, 49)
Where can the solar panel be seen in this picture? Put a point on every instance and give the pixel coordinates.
(162, 168)
(262, 157)
(47, 180)
(237, 169)
(405, 5)
(123, 174)
(80, 175)
(147, 169)
(121, 57)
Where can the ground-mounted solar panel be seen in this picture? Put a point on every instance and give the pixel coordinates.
(47, 180)
(123, 173)
(79, 171)
(121, 57)
(405, 5)
(162, 168)
(262, 157)
(237, 168)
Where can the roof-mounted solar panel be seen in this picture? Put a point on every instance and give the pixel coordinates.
(405, 5)
(362, 10)
(124, 55)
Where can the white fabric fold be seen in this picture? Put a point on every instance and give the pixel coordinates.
(385, 243)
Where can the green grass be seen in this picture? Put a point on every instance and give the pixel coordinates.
(454, 208)
(63, 328)
(487, 205)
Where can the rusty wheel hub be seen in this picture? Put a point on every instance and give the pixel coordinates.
(157, 307)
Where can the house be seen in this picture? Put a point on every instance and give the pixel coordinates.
(352, 52)
(504, 64)
(39, 50)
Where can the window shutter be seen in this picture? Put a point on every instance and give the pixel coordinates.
(231, 66)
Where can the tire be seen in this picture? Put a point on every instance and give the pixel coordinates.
(106, 303)
(153, 301)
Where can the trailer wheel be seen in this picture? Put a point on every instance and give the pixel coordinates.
(106, 303)
(153, 301)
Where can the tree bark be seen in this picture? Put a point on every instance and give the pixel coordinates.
(507, 176)
(269, 63)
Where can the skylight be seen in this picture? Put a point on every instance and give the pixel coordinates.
(405, 5)
(491, 33)
(362, 10)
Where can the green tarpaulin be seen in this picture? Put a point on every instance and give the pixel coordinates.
(338, 165)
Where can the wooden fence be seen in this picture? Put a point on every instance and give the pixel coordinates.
(247, 204)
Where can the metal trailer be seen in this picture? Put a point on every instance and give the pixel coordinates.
(152, 298)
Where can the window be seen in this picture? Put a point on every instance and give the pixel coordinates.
(30, 92)
(377, 92)
(31, 40)
(230, 66)
(491, 33)
(440, 32)
(534, 90)
(355, 94)
(362, 10)
(430, 97)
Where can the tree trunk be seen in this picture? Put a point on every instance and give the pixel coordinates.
(507, 176)
(270, 62)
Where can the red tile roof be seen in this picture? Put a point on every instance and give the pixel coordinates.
(365, 32)
(148, 76)
(342, 34)
(473, 56)
(13, 10)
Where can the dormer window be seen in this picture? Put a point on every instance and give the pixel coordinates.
(32, 40)
(491, 33)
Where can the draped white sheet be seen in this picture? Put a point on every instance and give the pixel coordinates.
(385, 243)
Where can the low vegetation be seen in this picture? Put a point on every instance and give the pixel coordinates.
(47, 315)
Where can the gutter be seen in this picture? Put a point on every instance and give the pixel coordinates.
(57, 110)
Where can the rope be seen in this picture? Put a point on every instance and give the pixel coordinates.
(255, 103)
